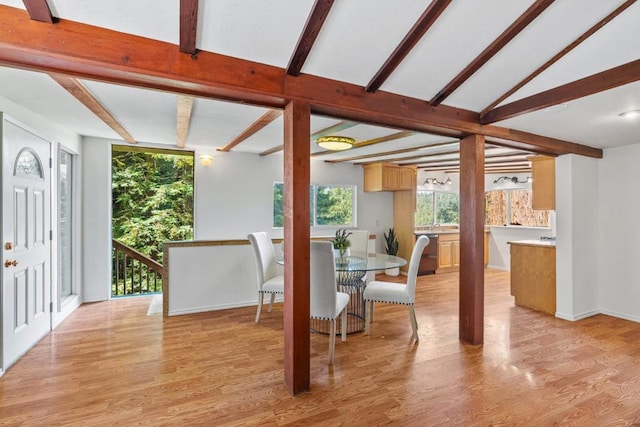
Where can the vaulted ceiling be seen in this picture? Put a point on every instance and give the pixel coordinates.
(405, 79)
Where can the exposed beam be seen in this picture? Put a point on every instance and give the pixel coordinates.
(39, 11)
(609, 79)
(105, 55)
(272, 150)
(387, 138)
(82, 94)
(185, 106)
(560, 54)
(419, 29)
(188, 26)
(405, 160)
(391, 153)
(263, 121)
(507, 35)
(455, 162)
(312, 27)
(522, 169)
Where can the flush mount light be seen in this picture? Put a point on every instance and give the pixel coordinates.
(206, 159)
(630, 114)
(335, 143)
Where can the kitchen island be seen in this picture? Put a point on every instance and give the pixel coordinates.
(533, 274)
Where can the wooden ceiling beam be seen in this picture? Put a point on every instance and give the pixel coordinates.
(560, 54)
(188, 26)
(39, 11)
(391, 153)
(183, 116)
(605, 80)
(507, 35)
(455, 162)
(312, 27)
(403, 160)
(105, 55)
(263, 121)
(419, 29)
(82, 94)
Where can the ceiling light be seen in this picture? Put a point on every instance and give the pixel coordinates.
(335, 143)
(630, 114)
(513, 179)
(434, 181)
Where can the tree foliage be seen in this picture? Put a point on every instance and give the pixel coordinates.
(152, 200)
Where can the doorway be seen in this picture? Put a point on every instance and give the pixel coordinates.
(26, 235)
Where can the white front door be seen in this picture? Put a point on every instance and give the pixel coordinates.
(26, 246)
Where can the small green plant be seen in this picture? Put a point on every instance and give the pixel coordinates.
(392, 242)
(341, 241)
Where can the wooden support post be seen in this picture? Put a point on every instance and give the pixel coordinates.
(472, 239)
(296, 246)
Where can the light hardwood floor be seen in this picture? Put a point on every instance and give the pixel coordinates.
(111, 364)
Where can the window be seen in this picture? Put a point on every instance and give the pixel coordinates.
(331, 205)
(515, 205)
(65, 220)
(437, 207)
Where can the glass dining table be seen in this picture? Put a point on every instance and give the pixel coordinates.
(350, 276)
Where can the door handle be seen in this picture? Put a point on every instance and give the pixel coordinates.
(8, 246)
(10, 262)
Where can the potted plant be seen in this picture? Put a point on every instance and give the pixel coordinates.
(391, 249)
(341, 241)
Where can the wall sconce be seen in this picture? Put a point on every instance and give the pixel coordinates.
(434, 181)
(512, 179)
(206, 159)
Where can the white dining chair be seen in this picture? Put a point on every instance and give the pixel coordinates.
(326, 303)
(359, 240)
(269, 281)
(396, 293)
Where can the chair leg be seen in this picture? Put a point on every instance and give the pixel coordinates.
(273, 297)
(414, 323)
(260, 299)
(332, 339)
(368, 311)
(344, 324)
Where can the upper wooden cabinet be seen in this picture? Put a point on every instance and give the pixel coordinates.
(388, 177)
(543, 187)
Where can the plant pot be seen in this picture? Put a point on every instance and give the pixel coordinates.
(394, 271)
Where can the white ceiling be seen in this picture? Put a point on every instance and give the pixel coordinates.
(356, 39)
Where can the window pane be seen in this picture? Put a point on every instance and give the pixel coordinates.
(521, 212)
(278, 204)
(28, 165)
(334, 205)
(448, 208)
(65, 224)
(424, 208)
(496, 208)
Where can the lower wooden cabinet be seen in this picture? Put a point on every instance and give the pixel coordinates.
(449, 250)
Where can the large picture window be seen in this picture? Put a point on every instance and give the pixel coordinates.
(435, 207)
(331, 205)
(514, 205)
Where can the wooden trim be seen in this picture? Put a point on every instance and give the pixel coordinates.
(39, 11)
(605, 80)
(297, 173)
(259, 124)
(312, 27)
(507, 35)
(188, 26)
(101, 54)
(400, 161)
(419, 29)
(82, 94)
(559, 55)
(272, 150)
(471, 320)
(183, 119)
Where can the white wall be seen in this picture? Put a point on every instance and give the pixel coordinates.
(233, 197)
(618, 251)
(577, 253)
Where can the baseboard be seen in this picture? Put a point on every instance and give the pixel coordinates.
(625, 316)
(216, 307)
(576, 317)
(499, 267)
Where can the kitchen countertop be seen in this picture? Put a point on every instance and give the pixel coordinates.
(536, 242)
(440, 231)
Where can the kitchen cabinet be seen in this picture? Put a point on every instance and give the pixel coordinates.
(448, 250)
(533, 275)
(543, 186)
(388, 177)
